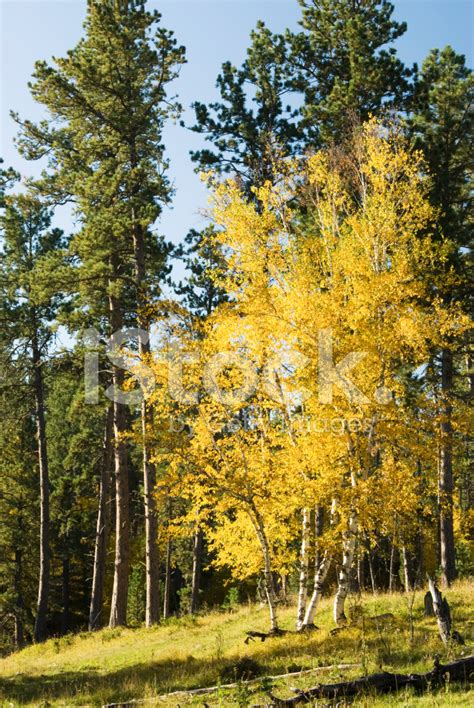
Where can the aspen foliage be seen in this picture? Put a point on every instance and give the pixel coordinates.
(301, 379)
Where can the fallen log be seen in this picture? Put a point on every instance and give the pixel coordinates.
(229, 686)
(460, 671)
(253, 635)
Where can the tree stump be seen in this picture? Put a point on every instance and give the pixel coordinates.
(429, 609)
(441, 611)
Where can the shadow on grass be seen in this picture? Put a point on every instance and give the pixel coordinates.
(275, 656)
(154, 678)
(97, 687)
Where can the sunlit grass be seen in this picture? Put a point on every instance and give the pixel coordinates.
(190, 652)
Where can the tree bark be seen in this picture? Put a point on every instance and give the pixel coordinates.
(361, 569)
(44, 570)
(65, 592)
(304, 565)
(407, 570)
(118, 606)
(318, 532)
(441, 610)
(446, 485)
(102, 528)
(345, 570)
(373, 584)
(319, 580)
(322, 563)
(394, 568)
(267, 570)
(152, 566)
(167, 591)
(196, 573)
(19, 637)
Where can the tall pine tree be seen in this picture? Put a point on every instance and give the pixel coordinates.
(29, 310)
(345, 65)
(443, 125)
(108, 104)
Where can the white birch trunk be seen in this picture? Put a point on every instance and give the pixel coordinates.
(319, 580)
(345, 570)
(267, 570)
(321, 568)
(406, 569)
(304, 565)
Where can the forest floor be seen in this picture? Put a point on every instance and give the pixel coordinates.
(116, 666)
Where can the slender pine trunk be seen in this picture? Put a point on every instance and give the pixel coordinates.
(304, 566)
(167, 591)
(446, 485)
(118, 606)
(19, 631)
(196, 573)
(102, 528)
(40, 629)
(65, 592)
(152, 563)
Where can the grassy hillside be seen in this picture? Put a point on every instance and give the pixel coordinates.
(119, 665)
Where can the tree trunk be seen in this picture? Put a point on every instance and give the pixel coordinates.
(470, 375)
(446, 486)
(167, 591)
(345, 570)
(419, 557)
(394, 568)
(152, 561)
(118, 606)
(44, 570)
(319, 580)
(197, 565)
(318, 532)
(441, 610)
(361, 569)
(102, 528)
(304, 565)
(284, 588)
(267, 570)
(407, 574)
(322, 563)
(152, 565)
(65, 592)
(19, 637)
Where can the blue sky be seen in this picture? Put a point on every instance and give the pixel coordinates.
(213, 31)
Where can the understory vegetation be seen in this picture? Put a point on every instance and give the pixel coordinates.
(209, 650)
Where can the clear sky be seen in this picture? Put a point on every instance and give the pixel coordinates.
(213, 31)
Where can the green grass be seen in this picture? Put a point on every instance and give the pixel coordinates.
(190, 652)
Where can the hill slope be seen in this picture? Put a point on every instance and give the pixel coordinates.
(190, 652)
